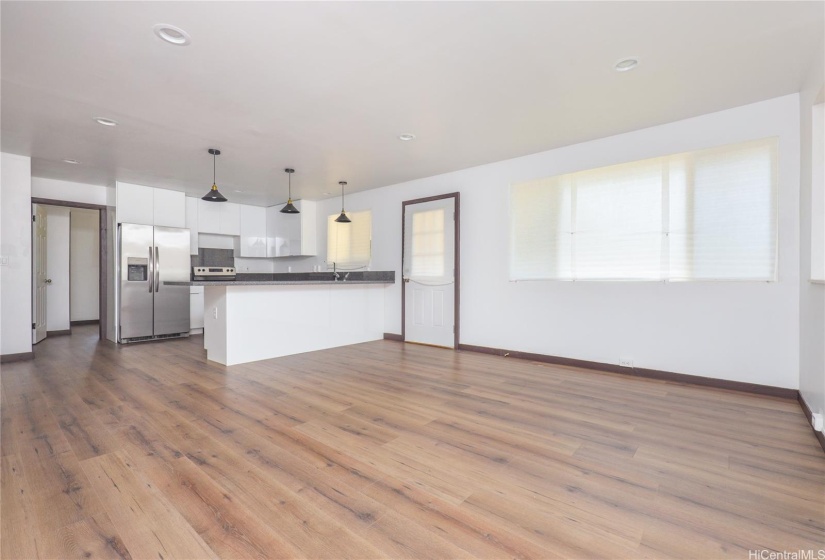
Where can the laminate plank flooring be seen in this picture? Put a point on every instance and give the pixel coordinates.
(387, 450)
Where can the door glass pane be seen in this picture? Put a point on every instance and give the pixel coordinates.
(428, 244)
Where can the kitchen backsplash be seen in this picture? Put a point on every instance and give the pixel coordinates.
(254, 265)
(226, 257)
(213, 257)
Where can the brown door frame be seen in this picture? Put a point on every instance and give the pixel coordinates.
(457, 262)
(103, 259)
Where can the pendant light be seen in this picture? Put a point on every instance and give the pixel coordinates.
(214, 194)
(342, 219)
(290, 208)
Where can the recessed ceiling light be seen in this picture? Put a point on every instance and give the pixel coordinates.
(72, 161)
(406, 137)
(172, 34)
(236, 190)
(105, 121)
(626, 64)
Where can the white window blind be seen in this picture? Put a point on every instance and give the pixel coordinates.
(704, 215)
(429, 243)
(428, 251)
(349, 245)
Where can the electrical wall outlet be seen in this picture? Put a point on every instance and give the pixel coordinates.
(215, 312)
(4, 261)
(817, 422)
(625, 362)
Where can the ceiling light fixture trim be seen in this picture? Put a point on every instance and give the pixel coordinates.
(214, 195)
(406, 137)
(105, 122)
(626, 64)
(172, 34)
(72, 161)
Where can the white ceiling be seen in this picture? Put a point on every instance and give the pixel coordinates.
(326, 88)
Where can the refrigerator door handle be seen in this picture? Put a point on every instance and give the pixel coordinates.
(157, 269)
(151, 272)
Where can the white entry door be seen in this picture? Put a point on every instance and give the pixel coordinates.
(40, 278)
(429, 272)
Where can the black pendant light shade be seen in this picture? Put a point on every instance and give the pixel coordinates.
(342, 219)
(290, 208)
(214, 195)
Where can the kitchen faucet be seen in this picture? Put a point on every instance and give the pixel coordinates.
(335, 272)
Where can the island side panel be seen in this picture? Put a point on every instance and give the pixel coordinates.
(271, 321)
(215, 323)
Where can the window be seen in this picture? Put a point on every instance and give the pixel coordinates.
(349, 245)
(704, 215)
(428, 244)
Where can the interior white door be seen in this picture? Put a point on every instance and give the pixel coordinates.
(39, 274)
(429, 272)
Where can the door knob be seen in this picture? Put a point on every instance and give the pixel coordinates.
(406, 279)
(48, 281)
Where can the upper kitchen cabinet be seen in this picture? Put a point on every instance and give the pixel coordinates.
(135, 204)
(169, 208)
(230, 218)
(192, 223)
(252, 241)
(138, 204)
(223, 218)
(291, 235)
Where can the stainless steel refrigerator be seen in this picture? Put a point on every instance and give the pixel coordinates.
(150, 256)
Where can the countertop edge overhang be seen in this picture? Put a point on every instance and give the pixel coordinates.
(276, 282)
(296, 279)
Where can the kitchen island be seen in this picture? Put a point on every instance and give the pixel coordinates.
(262, 316)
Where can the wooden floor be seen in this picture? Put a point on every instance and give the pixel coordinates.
(386, 450)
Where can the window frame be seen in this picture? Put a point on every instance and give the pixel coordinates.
(771, 142)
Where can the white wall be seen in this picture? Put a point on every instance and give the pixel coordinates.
(15, 255)
(817, 169)
(85, 264)
(72, 192)
(58, 234)
(812, 295)
(730, 330)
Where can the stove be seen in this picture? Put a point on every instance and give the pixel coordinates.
(213, 272)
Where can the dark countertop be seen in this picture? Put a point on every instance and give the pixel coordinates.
(297, 278)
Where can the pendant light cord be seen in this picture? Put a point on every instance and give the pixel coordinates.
(214, 160)
(342, 197)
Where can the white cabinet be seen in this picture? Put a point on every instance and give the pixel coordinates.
(219, 217)
(138, 204)
(192, 224)
(135, 204)
(209, 216)
(169, 208)
(291, 235)
(195, 308)
(230, 218)
(252, 241)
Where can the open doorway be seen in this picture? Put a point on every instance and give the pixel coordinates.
(69, 273)
(430, 292)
